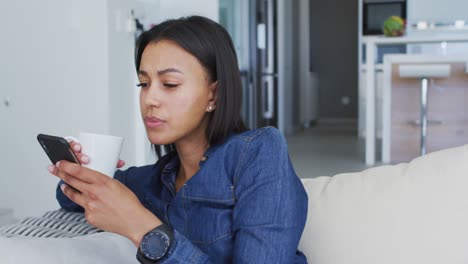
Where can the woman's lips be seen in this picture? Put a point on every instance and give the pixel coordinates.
(153, 122)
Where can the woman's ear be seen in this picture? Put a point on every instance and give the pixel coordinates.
(213, 93)
(213, 96)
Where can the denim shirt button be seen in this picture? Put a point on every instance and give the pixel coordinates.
(203, 159)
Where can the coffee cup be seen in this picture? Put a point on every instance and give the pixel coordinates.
(103, 151)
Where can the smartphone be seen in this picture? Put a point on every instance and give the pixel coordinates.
(57, 148)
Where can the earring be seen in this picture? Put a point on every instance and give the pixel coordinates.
(210, 108)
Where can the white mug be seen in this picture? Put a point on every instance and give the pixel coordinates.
(103, 151)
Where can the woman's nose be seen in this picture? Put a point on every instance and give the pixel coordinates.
(153, 97)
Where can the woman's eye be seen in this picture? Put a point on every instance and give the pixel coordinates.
(142, 85)
(170, 85)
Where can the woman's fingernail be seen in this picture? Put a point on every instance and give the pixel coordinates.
(51, 168)
(57, 164)
(76, 147)
(84, 158)
(62, 187)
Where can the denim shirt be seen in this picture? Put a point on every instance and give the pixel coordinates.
(245, 204)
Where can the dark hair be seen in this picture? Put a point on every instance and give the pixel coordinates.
(212, 46)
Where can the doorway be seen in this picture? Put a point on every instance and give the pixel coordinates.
(316, 75)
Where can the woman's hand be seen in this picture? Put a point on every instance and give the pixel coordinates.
(85, 159)
(109, 205)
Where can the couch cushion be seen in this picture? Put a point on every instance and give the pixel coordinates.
(103, 247)
(62, 237)
(407, 213)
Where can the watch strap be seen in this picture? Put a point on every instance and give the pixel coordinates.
(142, 259)
(168, 230)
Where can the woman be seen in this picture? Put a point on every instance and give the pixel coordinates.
(220, 194)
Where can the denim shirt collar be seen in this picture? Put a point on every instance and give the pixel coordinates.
(169, 172)
(208, 152)
(213, 148)
(172, 165)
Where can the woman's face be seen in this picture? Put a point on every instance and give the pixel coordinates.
(176, 94)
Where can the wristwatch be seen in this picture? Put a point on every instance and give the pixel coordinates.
(155, 244)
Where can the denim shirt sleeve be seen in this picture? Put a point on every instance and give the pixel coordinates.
(65, 202)
(271, 203)
(183, 250)
(69, 205)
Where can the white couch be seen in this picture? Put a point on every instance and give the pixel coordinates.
(408, 213)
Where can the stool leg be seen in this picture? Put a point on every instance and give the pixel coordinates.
(423, 122)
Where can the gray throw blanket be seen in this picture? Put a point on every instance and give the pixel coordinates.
(53, 224)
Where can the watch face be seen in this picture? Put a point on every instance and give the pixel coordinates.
(155, 245)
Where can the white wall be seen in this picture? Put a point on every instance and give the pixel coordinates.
(123, 94)
(156, 11)
(61, 67)
(67, 66)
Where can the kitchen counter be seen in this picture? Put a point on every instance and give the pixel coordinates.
(371, 45)
(382, 40)
(447, 115)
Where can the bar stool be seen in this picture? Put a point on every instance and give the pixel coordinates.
(424, 72)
